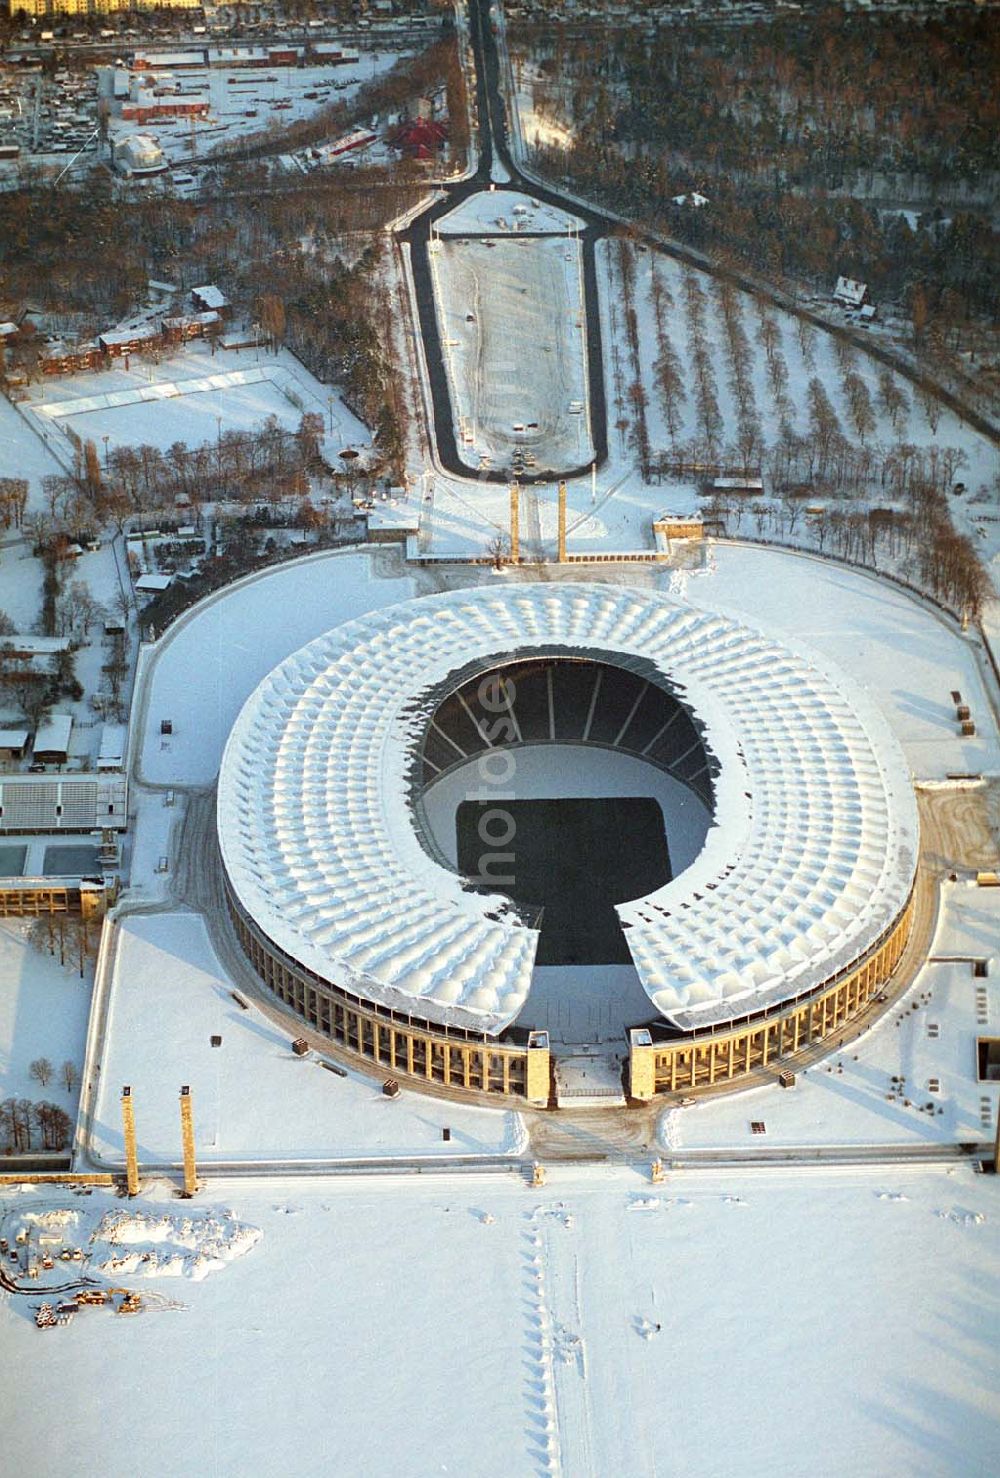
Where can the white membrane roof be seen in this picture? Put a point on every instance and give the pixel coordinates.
(810, 858)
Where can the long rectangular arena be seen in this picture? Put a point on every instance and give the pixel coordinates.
(511, 317)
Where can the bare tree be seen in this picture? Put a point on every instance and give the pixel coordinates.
(54, 1123)
(70, 1076)
(13, 501)
(931, 407)
(498, 550)
(40, 1070)
(7, 1121)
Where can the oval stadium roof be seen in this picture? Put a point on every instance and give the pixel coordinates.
(811, 855)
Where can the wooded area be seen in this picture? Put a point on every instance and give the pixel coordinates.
(810, 133)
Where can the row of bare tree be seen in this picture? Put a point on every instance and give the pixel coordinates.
(25, 1126)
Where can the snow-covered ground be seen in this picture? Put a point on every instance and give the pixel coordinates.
(190, 396)
(492, 211)
(253, 1099)
(512, 324)
(103, 574)
(25, 452)
(208, 664)
(830, 1323)
(20, 578)
(43, 1013)
(611, 512)
(245, 101)
(910, 1079)
(899, 651)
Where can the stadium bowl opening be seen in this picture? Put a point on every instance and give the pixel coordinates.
(568, 784)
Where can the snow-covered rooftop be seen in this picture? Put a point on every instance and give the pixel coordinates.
(811, 855)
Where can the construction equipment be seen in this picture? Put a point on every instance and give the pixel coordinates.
(561, 552)
(656, 1172)
(92, 1297)
(131, 1159)
(131, 1302)
(187, 1140)
(537, 1175)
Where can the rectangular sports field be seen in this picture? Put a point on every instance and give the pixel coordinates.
(574, 860)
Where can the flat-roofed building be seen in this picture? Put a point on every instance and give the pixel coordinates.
(53, 738)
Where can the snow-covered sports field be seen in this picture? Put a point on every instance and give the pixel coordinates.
(511, 317)
(191, 397)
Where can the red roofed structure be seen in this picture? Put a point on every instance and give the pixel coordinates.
(419, 138)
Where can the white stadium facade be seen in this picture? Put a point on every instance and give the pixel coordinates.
(778, 897)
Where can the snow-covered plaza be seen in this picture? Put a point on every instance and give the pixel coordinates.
(475, 1326)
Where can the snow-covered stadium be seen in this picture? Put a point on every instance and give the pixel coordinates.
(446, 822)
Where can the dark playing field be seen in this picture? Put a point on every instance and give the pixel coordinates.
(573, 858)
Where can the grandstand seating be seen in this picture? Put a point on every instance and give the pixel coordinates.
(568, 701)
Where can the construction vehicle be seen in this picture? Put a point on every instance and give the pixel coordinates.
(131, 1302)
(92, 1296)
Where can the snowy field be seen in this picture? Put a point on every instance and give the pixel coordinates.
(208, 664)
(43, 1013)
(929, 1041)
(253, 1100)
(512, 325)
(190, 397)
(20, 579)
(828, 1323)
(611, 512)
